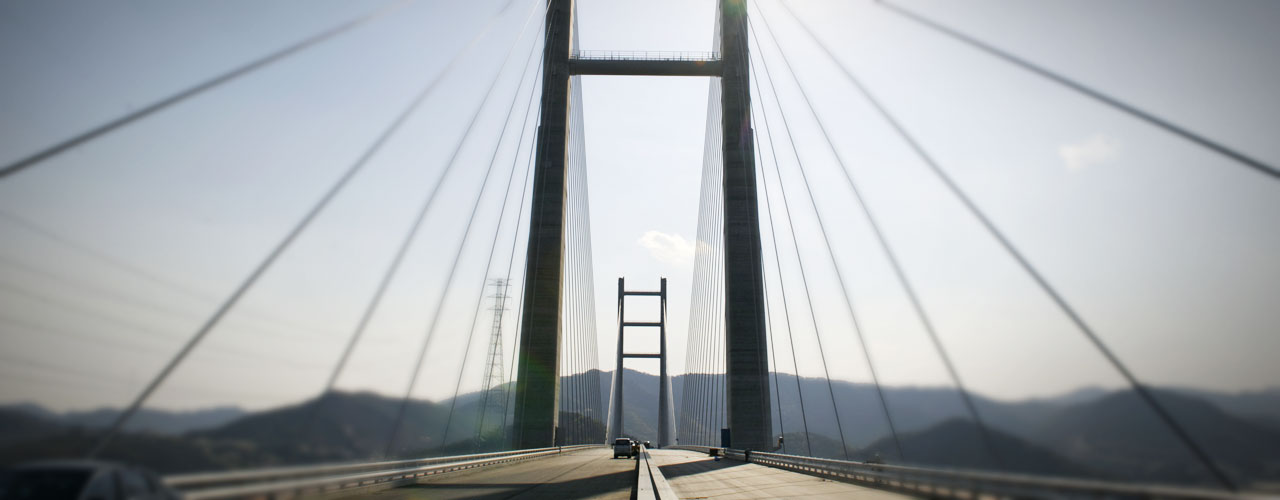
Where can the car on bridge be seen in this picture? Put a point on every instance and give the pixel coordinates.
(623, 447)
(81, 480)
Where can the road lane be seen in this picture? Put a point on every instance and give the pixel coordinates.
(588, 474)
(695, 475)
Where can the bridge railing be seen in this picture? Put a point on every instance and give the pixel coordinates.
(960, 483)
(321, 479)
(646, 55)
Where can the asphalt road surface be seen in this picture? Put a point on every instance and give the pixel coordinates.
(591, 474)
(595, 474)
(696, 475)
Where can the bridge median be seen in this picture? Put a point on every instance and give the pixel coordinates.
(650, 483)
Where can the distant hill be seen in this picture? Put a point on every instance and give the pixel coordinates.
(1086, 432)
(336, 427)
(1119, 432)
(640, 408)
(32, 433)
(145, 420)
(158, 421)
(18, 425)
(959, 443)
(816, 445)
(953, 443)
(1113, 432)
(1263, 405)
(164, 454)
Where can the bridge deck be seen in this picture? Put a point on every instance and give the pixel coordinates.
(594, 474)
(695, 475)
(589, 473)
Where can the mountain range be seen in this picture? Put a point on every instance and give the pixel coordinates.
(1087, 433)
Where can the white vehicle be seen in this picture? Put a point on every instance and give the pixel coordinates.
(622, 448)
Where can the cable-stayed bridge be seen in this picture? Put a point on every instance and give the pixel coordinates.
(497, 241)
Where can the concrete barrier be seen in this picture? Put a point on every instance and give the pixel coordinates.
(650, 484)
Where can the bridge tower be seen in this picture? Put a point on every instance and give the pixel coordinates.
(666, 413)
(747, 364)
(747, 354)
(537, 411)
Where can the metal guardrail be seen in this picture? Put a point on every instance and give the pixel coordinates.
(959, 483)
(323, 479)
(646, 55)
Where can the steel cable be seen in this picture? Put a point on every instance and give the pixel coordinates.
(258, 271)
(493, 158)
(884, 406)
(453, 268)
(189, 92)
(1165, 416)
(1083, 89)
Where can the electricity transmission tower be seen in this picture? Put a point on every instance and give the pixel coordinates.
(495, 391)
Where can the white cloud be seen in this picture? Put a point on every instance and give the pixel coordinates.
(667, 248)
(1095, 150)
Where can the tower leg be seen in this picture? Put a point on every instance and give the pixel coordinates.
(665, 413)
(615, 415)
(537, 408)
(747, 362)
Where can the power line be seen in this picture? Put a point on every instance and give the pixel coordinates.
(406, 243)
(857, 327)
(515, 158)
(773, 353)
(787, 309)
(1077, 86)
(571, 351)
(199, 88)
(696, 371)
(578, 272)
(884, 406)
(772, 331)
(916, 304)
(526, 188)
(515, 95)
(131, 325)
(515, 238)
(125, 266)
(804, 278)
(102, 256)
(692, 400)
(114, 296)
(1181, 433)
(453, 267)
(258, 271)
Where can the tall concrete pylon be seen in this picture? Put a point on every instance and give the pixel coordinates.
(746, 353)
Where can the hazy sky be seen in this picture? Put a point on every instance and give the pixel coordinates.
(115, 252)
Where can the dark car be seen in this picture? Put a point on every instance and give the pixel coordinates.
(81, 480)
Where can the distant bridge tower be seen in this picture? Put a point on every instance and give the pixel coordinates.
(666, 412)
(747, 363)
